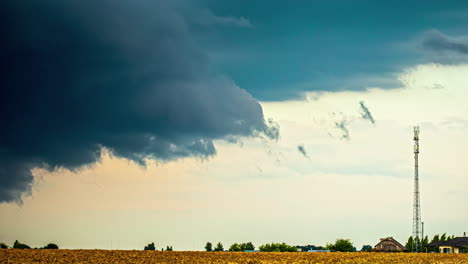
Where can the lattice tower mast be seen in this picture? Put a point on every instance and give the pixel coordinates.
(416, 205)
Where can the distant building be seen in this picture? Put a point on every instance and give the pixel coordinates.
(311, 248)
(389, 244)
(319, 250)
(456, 245)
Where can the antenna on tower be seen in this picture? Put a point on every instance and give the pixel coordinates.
(416, 205)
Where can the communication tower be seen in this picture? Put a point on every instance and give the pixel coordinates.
(416, 206)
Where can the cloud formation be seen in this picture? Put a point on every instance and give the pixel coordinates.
(302, 150)
(365, 113)
(125, 75)
(342, 126)
(205, 17)
(437, 41)
(230, 20)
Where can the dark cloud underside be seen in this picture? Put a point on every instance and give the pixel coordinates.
(437, 41)
(81, 75)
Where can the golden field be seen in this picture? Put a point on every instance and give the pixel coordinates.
(25, 256)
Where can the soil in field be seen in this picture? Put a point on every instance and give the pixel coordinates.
(26, 256)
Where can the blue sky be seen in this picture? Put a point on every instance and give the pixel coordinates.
(323, 45)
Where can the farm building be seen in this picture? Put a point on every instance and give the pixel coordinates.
(389, 244)
(456, 245)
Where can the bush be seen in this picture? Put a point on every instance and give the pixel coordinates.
(366, 248)
(277, 247)
(51, 246)
(342, 245)
(150, 246)
(235, 247)
(18, 245)
(3, 245)
(247, 246)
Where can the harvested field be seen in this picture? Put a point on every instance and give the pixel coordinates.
(25, 256)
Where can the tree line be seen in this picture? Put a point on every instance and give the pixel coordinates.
(425, 240)
(151, 246)
(209, 247)
(20, 245)
(343, 245)
(273, 247)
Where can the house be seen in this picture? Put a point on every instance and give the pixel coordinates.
(456, 245)
(389, 244)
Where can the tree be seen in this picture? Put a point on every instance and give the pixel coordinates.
(235, 247)
(366, 248)
(51, 246)
(424, 241)
(242, 247)
(17, 244)
(443, 237)
(3, 245)
(150, 246)
(434, 239)
(417, 246)
(409, 244)
(342, 245)
(219, 247)
(169, 248)
(247, 246)
(209, 246)
(276, 247)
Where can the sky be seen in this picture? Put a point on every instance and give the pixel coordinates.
(182, 122)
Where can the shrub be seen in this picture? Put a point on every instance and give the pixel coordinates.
(150, 246)
(366, 248)
(19, 245)
(235, 247)
(342, 245)
(51, 246)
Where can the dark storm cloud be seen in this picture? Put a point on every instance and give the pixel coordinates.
(302, 150)
(205, 17)
(125, 75)
(437, 41)
(365, 113)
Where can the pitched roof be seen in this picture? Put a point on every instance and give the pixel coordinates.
(392, 240)
(435, 244)
(456, 242)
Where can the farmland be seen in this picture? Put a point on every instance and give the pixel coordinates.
(13, 256)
